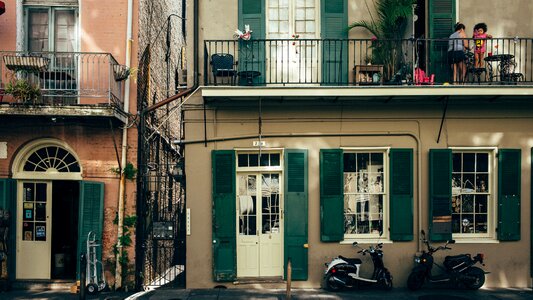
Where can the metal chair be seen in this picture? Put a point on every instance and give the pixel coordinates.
(222, 65)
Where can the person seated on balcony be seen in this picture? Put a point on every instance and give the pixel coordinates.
(480, 39)
(457, 45)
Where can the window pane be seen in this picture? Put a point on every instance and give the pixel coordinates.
(64, 31)
(349, 162)
(274, 159)
(253, 160)
(456, 162)
(362, 161)
(482, 162)
(265, 160)
(38, 30)
(350, 182)
(469, 162)
(242, 160)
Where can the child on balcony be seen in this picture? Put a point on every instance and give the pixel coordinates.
(480, 40)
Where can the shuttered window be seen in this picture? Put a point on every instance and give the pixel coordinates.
(334, 21)
(358, 201)
(442, 15)
(463, 201)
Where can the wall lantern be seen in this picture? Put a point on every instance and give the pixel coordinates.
(178, 171)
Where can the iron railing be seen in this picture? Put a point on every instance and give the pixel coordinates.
(359, 62)
(65, 78)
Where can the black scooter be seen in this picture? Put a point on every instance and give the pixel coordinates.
(458, 270)
(343, 272)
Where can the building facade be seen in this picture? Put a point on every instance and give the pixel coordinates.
(307, 137)
(66, 134)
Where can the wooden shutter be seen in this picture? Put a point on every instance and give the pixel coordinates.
(331, 195)
(441, 25)
(8, 202)
(296, 213)
(440, 194)
(509, 183)
(252, 52)
(334, 24)
(91, 217)
(401, 194)
(224, 207)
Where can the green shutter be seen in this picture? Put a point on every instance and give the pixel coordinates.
(509, 171)
(441, 25)
(334, 23)
(440, 194)
(224, 207)
(401, 194)
(296, 212)
(331, 195)
(8, 201)
(91, 217)
(252, 52)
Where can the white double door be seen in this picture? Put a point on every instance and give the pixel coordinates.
(259, 225)
(293, 60)
(34, 228)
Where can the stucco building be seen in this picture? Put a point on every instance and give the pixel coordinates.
(307, 137)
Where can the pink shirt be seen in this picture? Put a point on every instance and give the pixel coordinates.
(480, 41)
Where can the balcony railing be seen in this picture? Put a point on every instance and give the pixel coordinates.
(365, 62)
(63, 78)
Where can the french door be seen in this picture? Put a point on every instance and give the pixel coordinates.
(259, 225)
(293, 59)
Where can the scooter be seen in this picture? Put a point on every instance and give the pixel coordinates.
(458, 270)
(343, 272)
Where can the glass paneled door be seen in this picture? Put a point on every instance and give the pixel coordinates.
(259, 225)
(34, 207)
(295, 57)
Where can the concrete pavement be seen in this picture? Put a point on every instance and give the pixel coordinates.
(275, 294)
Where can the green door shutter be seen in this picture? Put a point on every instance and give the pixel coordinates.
(509, 171)
(334, 23)
(224, 207)
(401, 194)
(296, 212)
(252, 52)
(91, 217)
(8, 202)
(440, 194)
(441, 23)
(331, 195)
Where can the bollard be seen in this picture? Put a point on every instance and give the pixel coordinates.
(289, 279)
(83, 275)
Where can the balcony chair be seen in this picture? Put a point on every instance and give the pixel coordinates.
(222, 65)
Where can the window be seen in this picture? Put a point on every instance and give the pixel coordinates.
(472, 193)
(364, 193)
(51, 29)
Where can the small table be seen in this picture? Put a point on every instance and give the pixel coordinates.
(504, 61)
(249, 76)
(363, 74)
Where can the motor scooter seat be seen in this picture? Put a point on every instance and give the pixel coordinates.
(354, 261)
(457, 257)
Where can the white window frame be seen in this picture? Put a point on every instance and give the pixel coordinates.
(492, 199)
(259, 168)
(369, 237)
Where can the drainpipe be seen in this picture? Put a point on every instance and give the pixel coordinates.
(123, 162)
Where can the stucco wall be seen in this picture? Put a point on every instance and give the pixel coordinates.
(481, 125)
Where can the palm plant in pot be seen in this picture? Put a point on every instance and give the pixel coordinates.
(388, 26)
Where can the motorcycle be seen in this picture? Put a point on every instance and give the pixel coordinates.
(343, 272)
(458, 269)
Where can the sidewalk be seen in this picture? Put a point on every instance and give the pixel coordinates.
(395, 294)
(270, 294)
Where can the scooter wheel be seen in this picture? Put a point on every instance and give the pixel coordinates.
(92, 288)
(386, 281)
(332, 284)
(415, 280)
(476, 278)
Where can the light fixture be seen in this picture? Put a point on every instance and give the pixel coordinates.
(177, 171)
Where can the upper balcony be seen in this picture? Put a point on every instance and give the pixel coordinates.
(373, 66)
(70, 84)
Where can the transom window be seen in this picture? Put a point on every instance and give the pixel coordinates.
(364, 193)
(51, 158)
(472, 193)
(258, 160)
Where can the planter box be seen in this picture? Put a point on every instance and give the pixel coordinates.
(33, 64)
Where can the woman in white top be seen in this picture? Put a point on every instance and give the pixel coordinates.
(457, 45)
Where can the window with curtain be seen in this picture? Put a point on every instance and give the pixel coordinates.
(51, 29)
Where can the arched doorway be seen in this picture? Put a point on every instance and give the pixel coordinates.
(48, 175)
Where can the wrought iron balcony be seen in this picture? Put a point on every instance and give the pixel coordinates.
(365, 62)
(61, 78)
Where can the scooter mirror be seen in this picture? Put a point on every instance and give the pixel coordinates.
(354, 244)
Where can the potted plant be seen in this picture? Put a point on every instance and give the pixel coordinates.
(388, 28)
(23, 90)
